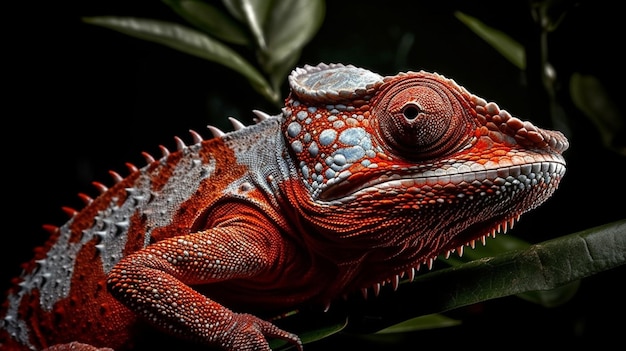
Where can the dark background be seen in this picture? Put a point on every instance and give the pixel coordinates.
(83, 100)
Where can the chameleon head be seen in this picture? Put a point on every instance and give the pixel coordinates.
(381, 155)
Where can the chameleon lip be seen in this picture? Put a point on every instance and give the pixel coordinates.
(524, 175)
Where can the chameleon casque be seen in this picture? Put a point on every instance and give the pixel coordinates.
(355, 184)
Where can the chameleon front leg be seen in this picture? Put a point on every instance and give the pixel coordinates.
(155, 283)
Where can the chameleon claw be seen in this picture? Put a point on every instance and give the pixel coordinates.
(251, 332)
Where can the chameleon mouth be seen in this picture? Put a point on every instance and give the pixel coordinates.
(530, 183)
(450, 182)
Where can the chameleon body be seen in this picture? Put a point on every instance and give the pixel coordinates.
(355, 184)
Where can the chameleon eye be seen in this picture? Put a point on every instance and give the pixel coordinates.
(420, 118)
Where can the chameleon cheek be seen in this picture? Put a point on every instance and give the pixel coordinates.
(420, 118)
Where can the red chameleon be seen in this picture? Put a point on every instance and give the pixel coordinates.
(356, 183)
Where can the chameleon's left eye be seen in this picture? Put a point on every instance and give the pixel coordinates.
(420, 118)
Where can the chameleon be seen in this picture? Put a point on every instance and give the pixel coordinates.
(355, 184)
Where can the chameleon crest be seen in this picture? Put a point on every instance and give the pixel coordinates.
(359, 181)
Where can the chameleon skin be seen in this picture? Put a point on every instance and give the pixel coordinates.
(356, 184)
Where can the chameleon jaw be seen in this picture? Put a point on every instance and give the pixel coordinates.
(407, 275)
(492, 190)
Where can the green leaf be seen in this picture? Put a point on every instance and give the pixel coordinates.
(278, 73)
(212, 20)
(291, 24)
(547, 265)
(591, 97)
(552, 297)
(317, 328)
(429, 321)
(506, 243)
(254, 14)
(188, 41)
(504, 44)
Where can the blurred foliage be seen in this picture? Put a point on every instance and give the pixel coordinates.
(274, 33)
(504, 44)
(592, 98)
(586, 91)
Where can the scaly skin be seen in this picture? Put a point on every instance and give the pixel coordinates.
(360, 180)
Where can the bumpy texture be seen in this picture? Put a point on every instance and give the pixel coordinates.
(359, 181)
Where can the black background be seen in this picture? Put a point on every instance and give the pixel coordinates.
(82, 100)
